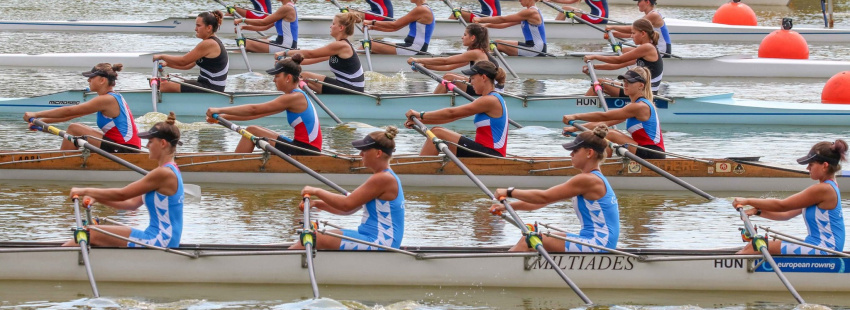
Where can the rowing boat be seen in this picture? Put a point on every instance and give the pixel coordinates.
(317, 26)
(723, 66)
(708, 3)
(426, 266)
(709, 109)
(538, 172)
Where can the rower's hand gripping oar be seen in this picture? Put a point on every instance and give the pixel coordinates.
(532, 238)
(450, 86)
(232, 10)
(623, 151)
(367, 46)
(760, 244)
(264, 145)
(456, 12)
(190, 189)
(81, 237)
(308, 240)
(501, 58)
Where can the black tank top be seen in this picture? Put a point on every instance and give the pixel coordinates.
(214, 70)
(348, 70)
(656, 68)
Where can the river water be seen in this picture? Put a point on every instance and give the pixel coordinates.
(39, 211)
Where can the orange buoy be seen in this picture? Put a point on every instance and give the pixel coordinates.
(784, 43)
(735, 13)
(837, 89)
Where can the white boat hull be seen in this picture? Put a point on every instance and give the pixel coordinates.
(708, 3)
(736, 65)
(484, 268)
(317, 26)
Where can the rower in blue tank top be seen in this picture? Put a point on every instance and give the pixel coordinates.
(593, 199)
(285, 21)
(533, 30)
(420, 22)
(820, 205)
(161, 191)
(381, 197)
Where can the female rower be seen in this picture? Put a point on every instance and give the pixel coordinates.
(210, 55)
(381, 195)
(378, 7)
(640, 115)
(593, 199)
(644, 55)
(477, 42)
(285, 21)
(161, 191)
(650, 13)
(491, 117)
(820, 204)
(300, 113)
(488, 8)
(421, 22)
(533, 29)
(116, 122)
(598, 11)
(340, 55)
(262, 8)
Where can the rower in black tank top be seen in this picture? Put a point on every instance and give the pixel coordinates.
(471, 90)
(656, 68)
(213, 71)
(348, 73)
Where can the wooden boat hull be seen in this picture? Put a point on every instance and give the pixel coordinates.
(719, 175)
(724, 66)
(483, 268)
(712, 109)
(317, 26)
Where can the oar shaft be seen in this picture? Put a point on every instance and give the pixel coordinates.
(596, 86)
(623, 151)
(82, 143)
(501, 58)
(308, 246)
(761, 244)
(269, 148)
(83, 240)
(526, 49)
(240, 41)
(321, 104)
(456, 13)
(367, 46)
(155, 84)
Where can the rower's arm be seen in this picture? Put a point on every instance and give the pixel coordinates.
(323, 53)
(563, 1)
(445, 67)
(258, 110)
(62, 114)
(126, 198)
(577, 185)
(783, 209)
(499, 25)
(394, 25)
(187, 61)
(376, 185)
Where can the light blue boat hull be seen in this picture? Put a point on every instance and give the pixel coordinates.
(715, 109)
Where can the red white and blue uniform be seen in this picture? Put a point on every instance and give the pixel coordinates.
(646, 132)
(825, 227)
(264, 6)
(492, 132)
(306, 124)
(597, 8)
(166, 217)
(419, 36)
(490, 7)
(382, 223)
(121, 129)
(380, 7)
(600, 220)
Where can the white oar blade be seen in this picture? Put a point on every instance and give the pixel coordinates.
(192, 190)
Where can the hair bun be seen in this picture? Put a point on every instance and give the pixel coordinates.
(391, 132)
(840, 147)
(172, 118)
(601, 131)
(297, 58)
(117, 67)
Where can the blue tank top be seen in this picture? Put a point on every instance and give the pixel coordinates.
(646, 132)
(490, 7)
(287, 33)
(385, 219)
(534, 34)
(166, 213)
(826, 227)
(420, 34)
(122, 128)
(492, 132)
(600, 219)
(306, 123)
(664, 35)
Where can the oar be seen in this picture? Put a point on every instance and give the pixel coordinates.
(308, 237)
(240, 41)
(456, 13)
(155, 83)
(623, 151)
(597, 87)
(527, 49)
(264, 145)
(615, 45)
(367, 46)
(823, 9)
(533, 239)
(232, 11)
(190, 189)
(451, 86)
(502, 59)
(318, 101)
(573, 16)
(81, 236)
(373, 14)
(418, 52)
(760, 244)
(270, 43)
(345, 10)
